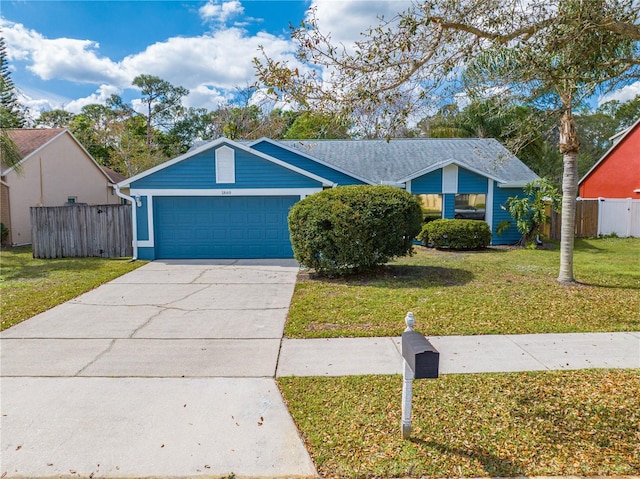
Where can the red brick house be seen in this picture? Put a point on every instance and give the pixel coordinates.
(617, 173)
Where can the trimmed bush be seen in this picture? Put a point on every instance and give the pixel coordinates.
(4, 233)
(350, 229)
(456, 234)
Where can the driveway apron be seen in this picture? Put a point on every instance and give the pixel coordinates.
(165, 371)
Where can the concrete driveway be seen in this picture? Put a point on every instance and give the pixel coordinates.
(166, 371)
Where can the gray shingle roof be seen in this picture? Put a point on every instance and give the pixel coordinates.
(390, 161)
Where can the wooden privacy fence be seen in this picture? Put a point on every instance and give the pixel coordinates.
(586, 221)
(81, 231)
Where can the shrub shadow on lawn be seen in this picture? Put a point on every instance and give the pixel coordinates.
(399, 276)
(594, 284)
(493, 466)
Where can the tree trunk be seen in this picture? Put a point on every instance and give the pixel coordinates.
(569, 146)
(149, 125)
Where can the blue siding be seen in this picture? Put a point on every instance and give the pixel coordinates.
(142, 222)
(429, 183)
(470, 182)
(449, 205)
(511, 235)
(146, 253)
(199, 172)
(306, 164)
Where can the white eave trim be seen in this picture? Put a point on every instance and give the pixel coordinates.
(309, 157)
(442, 164)
(514, 184)
(226, 141)
(228, 192)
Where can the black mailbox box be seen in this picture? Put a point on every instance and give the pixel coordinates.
(422, 357)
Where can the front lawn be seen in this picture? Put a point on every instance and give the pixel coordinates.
(497, 291)
(583, 423)
(30, 286)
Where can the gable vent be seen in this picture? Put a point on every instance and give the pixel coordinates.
(225, 165)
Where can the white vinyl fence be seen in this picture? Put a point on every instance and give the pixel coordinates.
(619, 216)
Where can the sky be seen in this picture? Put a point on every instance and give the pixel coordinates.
(68, 54)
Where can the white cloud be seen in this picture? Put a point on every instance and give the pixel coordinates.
(214, 11)
(622, 95)
(211, 66)
(207, 96)
(36, 107)
(38, 101)
(223, 58)
(60, 58)
(100, 96)
(346, 20)
(208, 59)
(74, 60)
(18, 40)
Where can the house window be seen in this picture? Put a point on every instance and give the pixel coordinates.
(470, 206)
(225, 165)
(71, 200)
(431, 206)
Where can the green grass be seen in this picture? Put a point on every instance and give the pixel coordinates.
(582, 423)
(497, 291)
(30, 286)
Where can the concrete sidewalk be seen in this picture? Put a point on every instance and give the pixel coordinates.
(462, 354)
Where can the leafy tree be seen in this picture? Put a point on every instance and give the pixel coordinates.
(55, 119)
(195, 124)
(625, 114)
(162, 101)
(550, 53)
(500, 119)
(280, 121)
(530, 211)
(594, 130)
(130, 154)
(250, 122)
(311, 125)
(11, 112)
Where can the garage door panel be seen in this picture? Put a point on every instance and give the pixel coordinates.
(222, 227)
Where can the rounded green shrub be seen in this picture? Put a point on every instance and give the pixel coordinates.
(353, 228)
(456, 234)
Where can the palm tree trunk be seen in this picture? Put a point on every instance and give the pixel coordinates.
(569, 146)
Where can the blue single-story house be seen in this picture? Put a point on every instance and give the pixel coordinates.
(230, 199)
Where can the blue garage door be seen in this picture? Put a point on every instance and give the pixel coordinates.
(222, 227)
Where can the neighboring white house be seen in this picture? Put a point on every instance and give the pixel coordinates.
(55, 170)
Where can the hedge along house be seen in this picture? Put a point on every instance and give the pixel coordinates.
(228, 199)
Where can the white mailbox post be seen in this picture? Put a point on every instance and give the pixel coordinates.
(407, 384)
(420, 360)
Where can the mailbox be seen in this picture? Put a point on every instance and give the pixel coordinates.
(421, 356)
